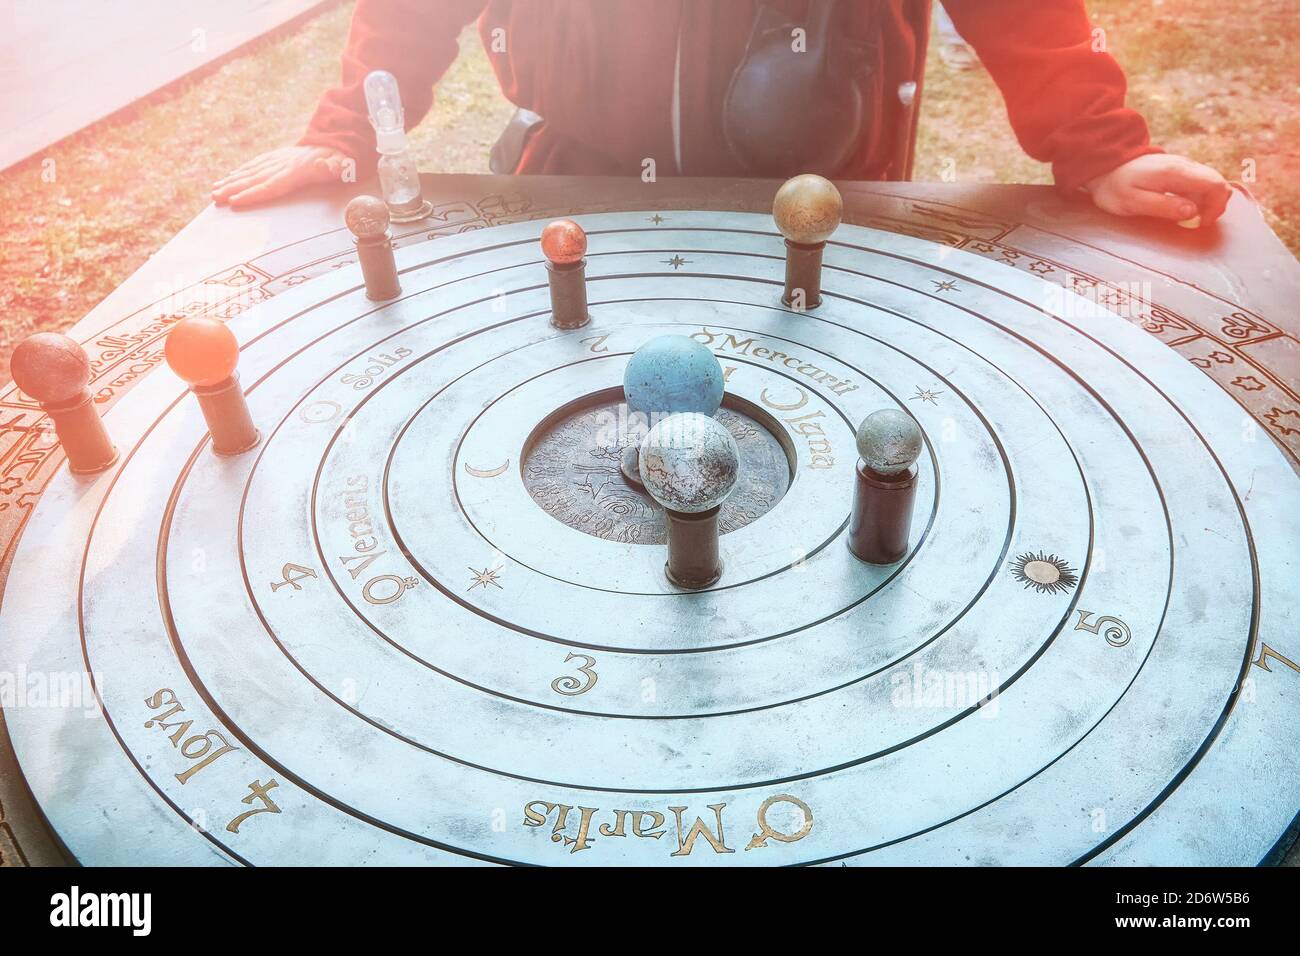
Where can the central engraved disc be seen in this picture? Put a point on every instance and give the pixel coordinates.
(571, 468)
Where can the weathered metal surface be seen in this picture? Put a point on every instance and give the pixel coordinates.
(572, 472)
(411, 661)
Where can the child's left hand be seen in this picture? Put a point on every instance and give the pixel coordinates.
(1163, 186)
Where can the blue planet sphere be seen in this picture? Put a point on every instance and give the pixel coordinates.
(673, 373)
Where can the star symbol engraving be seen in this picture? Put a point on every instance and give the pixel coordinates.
(948, 285)
(488, 576)
(927, 395)
(1286, 421)
(657, 219)
(676, 262)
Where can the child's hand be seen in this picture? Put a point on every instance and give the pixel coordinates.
(1164, 186)
(277, 173)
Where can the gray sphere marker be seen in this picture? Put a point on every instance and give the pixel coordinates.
(884, 488)
(889, 441)
(689, 464)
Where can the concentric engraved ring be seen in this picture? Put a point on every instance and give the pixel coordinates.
(373, 613)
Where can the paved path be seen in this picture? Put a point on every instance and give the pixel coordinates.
(66, 63)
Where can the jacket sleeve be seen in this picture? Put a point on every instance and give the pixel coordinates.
(415, 40)
(1064, 92)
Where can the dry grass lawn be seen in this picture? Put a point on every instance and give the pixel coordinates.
(1215, 80)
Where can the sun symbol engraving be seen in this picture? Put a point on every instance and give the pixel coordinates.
(1045, 573)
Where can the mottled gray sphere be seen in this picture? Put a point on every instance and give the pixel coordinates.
(366, 217)
(689, 462)
(889, 441)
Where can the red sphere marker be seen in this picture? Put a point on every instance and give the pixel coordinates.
(54, 370)
(564, 243)
(204, 353)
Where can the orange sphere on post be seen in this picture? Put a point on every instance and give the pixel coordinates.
(203, 352)
(564, 242)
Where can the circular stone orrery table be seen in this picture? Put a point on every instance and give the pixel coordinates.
(425, 620)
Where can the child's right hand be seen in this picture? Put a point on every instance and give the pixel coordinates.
(278, 173)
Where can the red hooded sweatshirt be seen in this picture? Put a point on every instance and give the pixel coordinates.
(604, 75)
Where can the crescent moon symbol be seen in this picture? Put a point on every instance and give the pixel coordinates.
(487, 472)
(803, 400)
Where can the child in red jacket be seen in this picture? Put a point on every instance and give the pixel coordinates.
(620, 81)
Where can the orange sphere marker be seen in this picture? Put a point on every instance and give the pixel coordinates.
(204, 353)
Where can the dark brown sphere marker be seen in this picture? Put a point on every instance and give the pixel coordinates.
(564, 243)
(203, 352)
(367, 219)
(884, 489)
(54, 370)
(807, 210)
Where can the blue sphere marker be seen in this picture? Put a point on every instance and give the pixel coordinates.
(667, 375)
(670, 374)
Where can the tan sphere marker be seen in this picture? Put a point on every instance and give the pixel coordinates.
(54, 370)
(807, 210)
